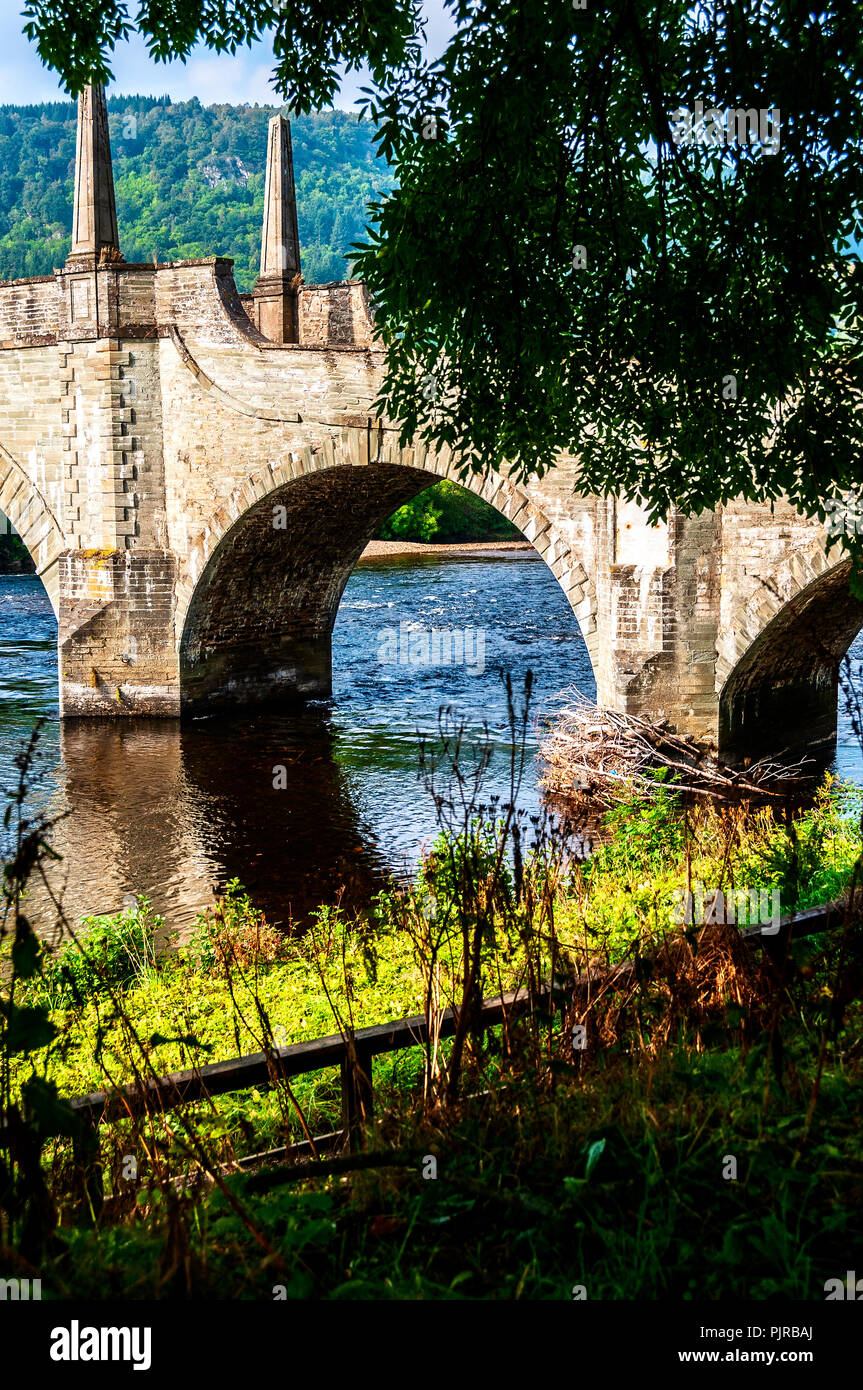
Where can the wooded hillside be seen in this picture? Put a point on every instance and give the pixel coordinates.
(189, 182)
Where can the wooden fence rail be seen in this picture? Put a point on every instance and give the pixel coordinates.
(353, 1053)
(298, 1059)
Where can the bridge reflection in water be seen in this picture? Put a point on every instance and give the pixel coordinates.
(176, 811)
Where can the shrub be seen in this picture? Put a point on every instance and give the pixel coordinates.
(108, 953)
(235, 933)
(447, 512)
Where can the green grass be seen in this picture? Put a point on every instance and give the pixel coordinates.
(615, 1185)
(617, 904)
(607, 1171)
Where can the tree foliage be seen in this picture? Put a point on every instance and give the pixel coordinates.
(554, 271)
(312, 39)
(15, 558)
(679, 318)
(446, 513)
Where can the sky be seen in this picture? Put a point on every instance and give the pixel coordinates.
(210, 77)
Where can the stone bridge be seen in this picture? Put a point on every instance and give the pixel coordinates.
(196, 472)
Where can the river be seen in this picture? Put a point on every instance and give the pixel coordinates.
(175, 811)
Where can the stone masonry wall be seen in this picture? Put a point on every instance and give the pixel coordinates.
(31, 432)
(116, 633)
(146, 426)
(28, 312)
(335, 315)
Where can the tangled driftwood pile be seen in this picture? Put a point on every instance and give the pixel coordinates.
(597, 756)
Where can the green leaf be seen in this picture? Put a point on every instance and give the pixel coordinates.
(594, 1153)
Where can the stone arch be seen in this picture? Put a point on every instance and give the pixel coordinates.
(33, 519)
(235, 646)
(786, 646)
(754, 608)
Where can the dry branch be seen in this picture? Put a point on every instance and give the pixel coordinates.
(598, 756)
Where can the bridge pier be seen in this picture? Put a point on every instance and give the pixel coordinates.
(658, 589)
(117, 653)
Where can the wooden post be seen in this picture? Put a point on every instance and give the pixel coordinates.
(357, 1091)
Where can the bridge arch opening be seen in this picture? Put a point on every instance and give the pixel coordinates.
(783, 692)
(259, 622)
(15, 558)
(26, 511)
(28, 659)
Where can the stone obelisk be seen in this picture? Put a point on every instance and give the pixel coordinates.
(275, 291)
(95, 238)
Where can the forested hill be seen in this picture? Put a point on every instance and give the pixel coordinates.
(189, 181)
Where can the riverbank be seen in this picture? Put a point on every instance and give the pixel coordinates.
(376, 550)
(624, 898)
(595, 1160)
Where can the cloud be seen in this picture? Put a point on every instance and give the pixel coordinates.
(213, 78)
(216, 79)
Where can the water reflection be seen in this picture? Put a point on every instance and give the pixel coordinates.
(293, 845)
(175, 812)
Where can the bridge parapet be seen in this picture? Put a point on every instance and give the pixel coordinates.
(28, 312)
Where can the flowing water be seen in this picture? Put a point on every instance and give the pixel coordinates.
(176, 811)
